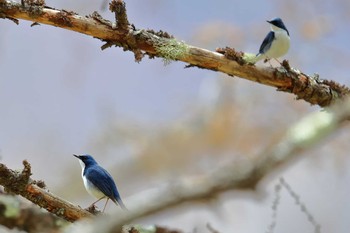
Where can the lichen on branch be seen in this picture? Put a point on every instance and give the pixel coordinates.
(142, 42)
(170, 49)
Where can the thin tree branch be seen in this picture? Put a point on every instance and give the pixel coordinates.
(20, 183)
(160, 44)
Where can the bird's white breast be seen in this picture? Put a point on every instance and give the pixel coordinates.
(91, 189)
(280, 44)
(82, 164)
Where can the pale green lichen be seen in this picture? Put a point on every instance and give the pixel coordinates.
(139, 228)
(60, 212)
(170, 49)
(249, 58)
(312, 128)
(12, 206)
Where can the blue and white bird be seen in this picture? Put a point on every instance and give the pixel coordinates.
(276, 43)
(98, 182)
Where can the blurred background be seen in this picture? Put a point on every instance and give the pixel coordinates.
(149, 124)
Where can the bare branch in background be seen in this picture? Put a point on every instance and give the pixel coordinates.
(309, 131)
(243, 175)
(161, 44)
(237, 175)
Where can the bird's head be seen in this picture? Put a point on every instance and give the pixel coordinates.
(85, 160)
(277, 24)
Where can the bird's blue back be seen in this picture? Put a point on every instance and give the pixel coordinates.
(99, 177)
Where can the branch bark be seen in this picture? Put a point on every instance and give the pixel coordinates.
(21, 184)
(160, 44)
(15, 214)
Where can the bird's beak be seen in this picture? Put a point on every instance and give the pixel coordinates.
(268, 21)
(77, 156)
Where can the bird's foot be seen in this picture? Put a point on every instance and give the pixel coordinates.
(93, 209)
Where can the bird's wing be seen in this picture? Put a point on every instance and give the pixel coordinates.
(102, 180)
(266, 44)
(99, 177)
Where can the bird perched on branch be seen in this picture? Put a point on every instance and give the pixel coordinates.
(276, 43)
(98, 182)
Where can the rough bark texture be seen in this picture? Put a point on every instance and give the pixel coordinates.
(20, 183)
(161, 44)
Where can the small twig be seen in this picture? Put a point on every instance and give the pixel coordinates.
(275, 204)
(119, 9)
(303, 208)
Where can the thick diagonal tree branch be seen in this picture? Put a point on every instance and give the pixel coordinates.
(161, 44)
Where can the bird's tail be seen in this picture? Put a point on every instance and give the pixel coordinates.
(252, 58)
(118, 201)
